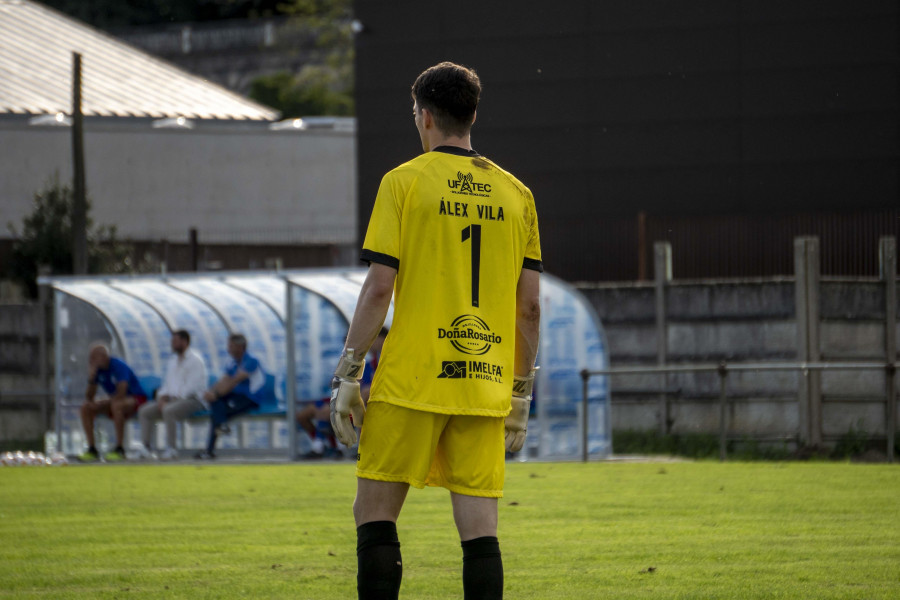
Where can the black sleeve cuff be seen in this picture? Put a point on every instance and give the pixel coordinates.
(534, 265)
(369, 256)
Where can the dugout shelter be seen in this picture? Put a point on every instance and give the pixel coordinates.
(295, 323)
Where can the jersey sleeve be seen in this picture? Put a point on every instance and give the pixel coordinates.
(533, 245)
(257, 379)
(119, 371)
(382, 243)
(249, 365)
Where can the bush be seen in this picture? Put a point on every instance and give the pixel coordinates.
(853, 443)
(46, 239)
(694, 445)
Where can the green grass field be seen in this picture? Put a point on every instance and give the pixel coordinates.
(602, 530)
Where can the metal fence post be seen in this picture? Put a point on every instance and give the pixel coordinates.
(723, 412)
(291, 382)
(59, 393)
(662, 275)
(43, 358)
(887, 253)
(585, 378)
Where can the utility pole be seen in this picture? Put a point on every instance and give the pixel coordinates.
(79, 209)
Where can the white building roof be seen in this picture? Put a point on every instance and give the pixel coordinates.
(36, 46)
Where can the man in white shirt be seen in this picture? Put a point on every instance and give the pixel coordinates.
(179, 396)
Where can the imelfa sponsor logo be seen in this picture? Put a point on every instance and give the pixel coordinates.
(453, 369)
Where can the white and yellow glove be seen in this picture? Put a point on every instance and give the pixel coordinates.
(517, 419)
(346, 399)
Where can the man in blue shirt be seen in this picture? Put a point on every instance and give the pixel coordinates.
(240, 389)
(125, 396)
(315, 418)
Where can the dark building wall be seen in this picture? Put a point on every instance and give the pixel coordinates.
(710, 116)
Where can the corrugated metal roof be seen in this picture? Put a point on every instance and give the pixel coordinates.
(36, 46)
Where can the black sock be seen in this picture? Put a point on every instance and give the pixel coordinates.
(378, 559)
(482, 569)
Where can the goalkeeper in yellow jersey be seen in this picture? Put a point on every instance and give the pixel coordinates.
(454, 238)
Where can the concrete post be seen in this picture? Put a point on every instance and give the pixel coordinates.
(812, 310)
(887, 253)
(806, 297)
(723, 411)
(662, 275)
(800, 311)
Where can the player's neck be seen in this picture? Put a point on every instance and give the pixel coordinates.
(464, 142)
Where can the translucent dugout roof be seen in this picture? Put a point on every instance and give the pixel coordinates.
(304, 315)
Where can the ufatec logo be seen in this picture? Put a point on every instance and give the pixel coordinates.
(466, 184)
(469, 334)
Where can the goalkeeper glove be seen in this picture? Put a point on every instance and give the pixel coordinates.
(517, 419)
(346, 399)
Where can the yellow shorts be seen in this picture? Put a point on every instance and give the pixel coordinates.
(465, 454)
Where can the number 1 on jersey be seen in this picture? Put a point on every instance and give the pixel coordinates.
(474, 232)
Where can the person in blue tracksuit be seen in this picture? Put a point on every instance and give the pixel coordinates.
(240, 389)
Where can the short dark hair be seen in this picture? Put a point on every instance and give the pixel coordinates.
(183, 334)
(450, 92)
(238, 338)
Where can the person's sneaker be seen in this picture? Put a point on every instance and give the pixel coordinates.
(169, 454)
(204, 456)
(141, 452)
(116, 455)
(89, 455)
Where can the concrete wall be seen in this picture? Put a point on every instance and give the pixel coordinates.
(236, 183)
(743, 321)
(704, 322)
(21, 416)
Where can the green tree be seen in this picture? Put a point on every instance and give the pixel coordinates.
(317, 90)
(113, 14)
(46, 239)
(325, 85)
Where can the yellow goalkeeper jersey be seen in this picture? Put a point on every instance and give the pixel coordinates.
(459, 230)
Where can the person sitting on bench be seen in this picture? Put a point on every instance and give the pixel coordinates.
(239, 390)
(315, 413)
(125, 397)
(179, 396)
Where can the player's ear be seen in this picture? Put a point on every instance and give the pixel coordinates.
(427, 118)
(474, 116)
